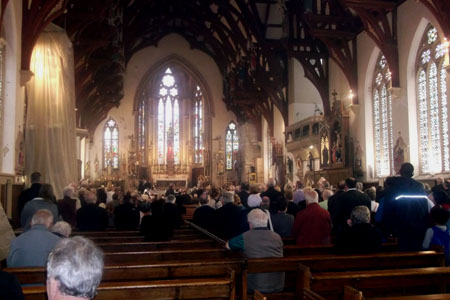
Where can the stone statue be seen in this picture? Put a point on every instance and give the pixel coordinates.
(311, 161)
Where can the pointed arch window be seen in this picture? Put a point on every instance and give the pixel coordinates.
(111, 144)
(168, 120)
(382, 119)
(432, 104)
(141, 115)
(231, 145)
(198, 126)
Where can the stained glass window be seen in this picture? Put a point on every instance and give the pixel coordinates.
(231, 145)
(382, 119)
(432, 104)
(111, 144)
(168, 120)
(198, 126)
(141, 130)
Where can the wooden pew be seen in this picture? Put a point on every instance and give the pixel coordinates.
(146, 257)
(142, 272)
(353, 294)
(112, 233)
(323, 263)
(378, 283)
(152, 246)
(127, 239)
(294, 250)
(200, 288)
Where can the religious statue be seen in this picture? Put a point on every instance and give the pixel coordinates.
(96, 166)
(220, 167)
(399, 153)
(311, 161)
(20, 161)
(87, 169)
(290, 168)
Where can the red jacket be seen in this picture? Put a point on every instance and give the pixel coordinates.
(312, 226)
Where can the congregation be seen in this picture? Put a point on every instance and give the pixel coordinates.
(252, 218)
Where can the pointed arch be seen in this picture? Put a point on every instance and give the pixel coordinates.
(111, 144)
(231, 145)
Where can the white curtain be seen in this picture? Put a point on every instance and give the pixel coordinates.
(50, 136)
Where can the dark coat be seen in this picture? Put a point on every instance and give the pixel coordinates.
(204, 217)
(173, 215)
(227, 221)
(360, 238)
(155, 228)
(28, 195)
(10, 288)
(92, 217)
(126, 217)
(67, 208)
(345, 204)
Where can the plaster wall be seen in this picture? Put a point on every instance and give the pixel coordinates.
(412, 20)
(137, 67)
(303, 95)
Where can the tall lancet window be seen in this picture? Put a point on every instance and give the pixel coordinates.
(432, 104)
(382, 116)
(111, 144)
(168, 120)
(198, 126)
(231, 145)
(141, 129)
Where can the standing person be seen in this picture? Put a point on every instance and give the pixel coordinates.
(172, 212)
(299, 196)
(68, 206)
(347, 202)
(333, 203)
(292, 208)
(30, 193)
(243, 193)
(156, 227)
(45, 200)
(404, 210)
(312, 225)
(260, 242)
(271, 192)
(281, 221)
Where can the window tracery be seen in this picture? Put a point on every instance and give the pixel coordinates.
(382, 116)
(231, 145)
(168, 120)
(111, 144)
(198, 126)
(432, 104)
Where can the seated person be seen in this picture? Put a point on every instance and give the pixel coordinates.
(156, 227)
(68, 206)
(61, 229)
(204, 215)
(360, 236)
(31, 248)
(91, 216)
(172, 212)
(126, 216)
(74, 269)
(438, 235)
(260, 242)
(281, 221)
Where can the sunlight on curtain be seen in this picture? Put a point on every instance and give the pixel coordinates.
(50, 124)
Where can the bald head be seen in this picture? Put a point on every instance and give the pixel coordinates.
(42, 217)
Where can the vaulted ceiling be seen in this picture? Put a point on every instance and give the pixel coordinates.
(250, 40)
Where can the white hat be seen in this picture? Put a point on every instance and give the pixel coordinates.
(254, 200)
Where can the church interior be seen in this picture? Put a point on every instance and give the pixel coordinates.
(190, 93)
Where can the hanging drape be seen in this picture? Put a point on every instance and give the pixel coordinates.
(50, 136)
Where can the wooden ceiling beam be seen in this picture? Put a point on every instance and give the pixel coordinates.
(441, 11)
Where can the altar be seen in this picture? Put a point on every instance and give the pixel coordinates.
(163, 181)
